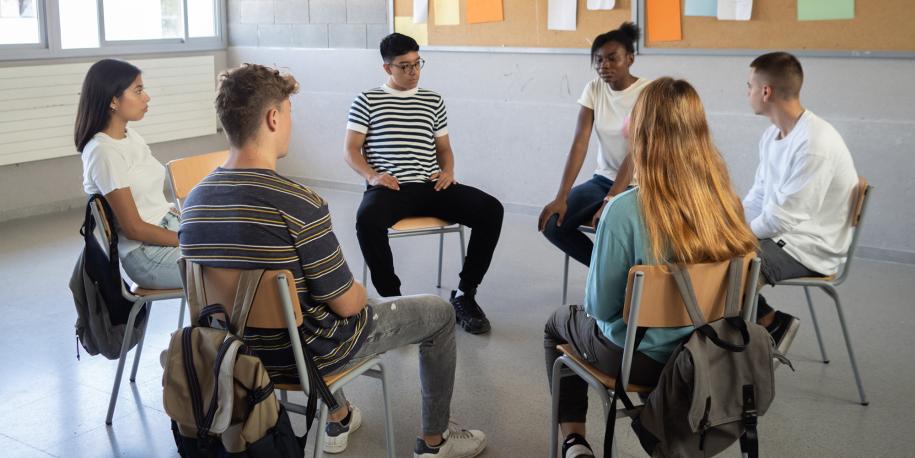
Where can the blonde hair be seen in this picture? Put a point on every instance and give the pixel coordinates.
(691, 213)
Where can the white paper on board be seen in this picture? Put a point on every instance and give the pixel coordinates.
(561, 15)
(420, 11)
(735, 10)
(601, 4)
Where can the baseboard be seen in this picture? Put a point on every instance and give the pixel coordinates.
(43, 209)
(883, 254)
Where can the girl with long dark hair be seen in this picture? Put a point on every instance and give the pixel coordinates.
(118, 164)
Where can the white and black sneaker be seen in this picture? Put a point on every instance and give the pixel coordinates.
(336, 435)
(456, 443)
(575, 446)
(783, 330)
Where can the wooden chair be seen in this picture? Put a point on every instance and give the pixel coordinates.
(185, 173)
(829, 283)
(653, 301)
(141, 298)
(424, 225)
(276, 306)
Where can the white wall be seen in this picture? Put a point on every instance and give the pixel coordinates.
(511, 119)
(53, 185)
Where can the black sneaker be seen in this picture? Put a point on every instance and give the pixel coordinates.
(468, 313)
(575, 446)
(783, 329)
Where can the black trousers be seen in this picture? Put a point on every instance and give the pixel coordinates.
(777, 265)
(571, 325)
(382, 207)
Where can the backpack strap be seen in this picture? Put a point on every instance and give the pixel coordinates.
(749, 441)
(248, 281)
(732, 299)
(194, 287)
(190, 372)
(688, 294)
(685, 287)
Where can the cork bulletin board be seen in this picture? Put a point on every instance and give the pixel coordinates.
(880, 28)
(524, 26)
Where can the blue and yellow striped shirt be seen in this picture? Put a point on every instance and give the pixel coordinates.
(257, 219)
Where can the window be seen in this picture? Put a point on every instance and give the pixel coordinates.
(127, 20)
(19, 22)
(79, 24)
(108, 27)
(201, 18)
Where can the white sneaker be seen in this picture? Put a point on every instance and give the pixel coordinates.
(336, 435)
(456, 443)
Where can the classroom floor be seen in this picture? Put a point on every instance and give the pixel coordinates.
(54, 405)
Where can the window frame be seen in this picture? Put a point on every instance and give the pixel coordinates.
(49, 46)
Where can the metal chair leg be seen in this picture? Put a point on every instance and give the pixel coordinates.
(441, 250)
(136, 355)
(816, 325)
(365, 272)
(851, 352)
(319, 432)
(182, 312)
(565, 280)
(125, 346)
(554, 415)
(388, 415)
(284, 397)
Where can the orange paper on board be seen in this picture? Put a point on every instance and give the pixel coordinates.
(663, 20)
(479, 11)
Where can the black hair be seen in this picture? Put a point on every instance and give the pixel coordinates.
(106, 79)
(396, 44)
(782, 71)
(627, 34)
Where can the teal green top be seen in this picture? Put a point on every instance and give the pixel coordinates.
(620, 243)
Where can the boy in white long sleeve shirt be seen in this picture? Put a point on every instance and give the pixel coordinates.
(799, 203)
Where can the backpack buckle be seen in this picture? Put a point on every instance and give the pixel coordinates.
(749, 406)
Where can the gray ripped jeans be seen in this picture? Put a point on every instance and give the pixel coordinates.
(423, 319)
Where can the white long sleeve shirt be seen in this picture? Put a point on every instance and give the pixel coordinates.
(802, 193)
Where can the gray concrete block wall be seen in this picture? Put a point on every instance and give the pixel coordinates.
(512, 117)
(308, 23)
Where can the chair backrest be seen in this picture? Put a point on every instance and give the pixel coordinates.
(859, 197)
(661, 305)
(185, 173)
(102, 230)
(221, 286)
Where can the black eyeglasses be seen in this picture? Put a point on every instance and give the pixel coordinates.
(410, 68)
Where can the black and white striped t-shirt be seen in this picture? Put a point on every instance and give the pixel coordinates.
(400, 129)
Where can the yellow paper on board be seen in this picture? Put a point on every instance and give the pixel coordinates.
(419, 32)
(447, 12)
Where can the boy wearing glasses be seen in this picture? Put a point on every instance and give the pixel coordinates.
(397, 139)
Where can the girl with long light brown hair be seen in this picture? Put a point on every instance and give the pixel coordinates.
(684, 210)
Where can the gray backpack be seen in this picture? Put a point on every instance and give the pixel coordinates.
(714, 386)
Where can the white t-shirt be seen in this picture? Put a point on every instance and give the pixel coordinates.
(110, 164)
(802, 193)
(611, 108)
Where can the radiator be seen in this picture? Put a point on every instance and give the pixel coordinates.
(38, 105)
